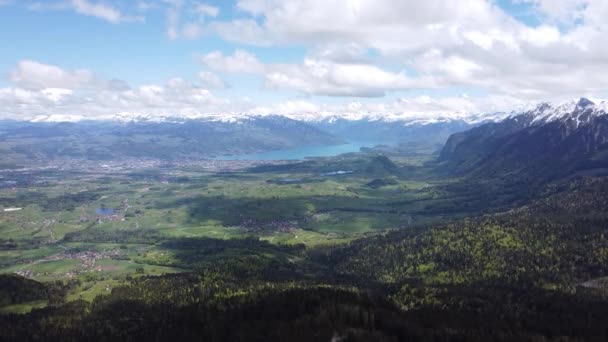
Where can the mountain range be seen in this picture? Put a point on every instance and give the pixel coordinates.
(107, 140)
(550, 141)
(171, 139)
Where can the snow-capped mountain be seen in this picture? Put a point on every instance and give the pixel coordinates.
(408, 117)
(575, 112)
(541, 112)
(368, 127)
(549, 141)
(141, 117)
(308, 117)
(574, 127)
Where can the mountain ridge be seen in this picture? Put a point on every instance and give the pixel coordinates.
(547, 142)
(546, 110)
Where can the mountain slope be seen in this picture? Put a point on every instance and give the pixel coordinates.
(162, 140)
(546, 142)
(48, 138)
(382, 131)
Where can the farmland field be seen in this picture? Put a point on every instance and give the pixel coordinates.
(95, 229)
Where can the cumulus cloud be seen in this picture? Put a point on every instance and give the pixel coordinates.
(40, 89)
(470, 43)
(70, 93)
(433, 43)
(34, 75)
(194, 15)
(380, 24)
(93, 8)
(423, 108)
(211, 80)
(363, 48)
(240, 62)
(316, 76)
(98, 10)
(324, 77)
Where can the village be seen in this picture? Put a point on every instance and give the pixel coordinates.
(88, 261)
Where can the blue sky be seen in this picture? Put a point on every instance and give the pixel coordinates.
(296, 57)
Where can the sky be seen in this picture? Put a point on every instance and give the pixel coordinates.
(101, 59)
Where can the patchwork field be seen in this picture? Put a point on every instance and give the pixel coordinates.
(93, 230)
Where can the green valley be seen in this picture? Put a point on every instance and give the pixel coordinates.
(382, 232)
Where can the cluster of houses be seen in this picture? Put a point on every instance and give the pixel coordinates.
(88, 259)
(253, 225)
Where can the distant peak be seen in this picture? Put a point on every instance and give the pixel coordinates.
(543, 106)
(584, 103)
(577, 111)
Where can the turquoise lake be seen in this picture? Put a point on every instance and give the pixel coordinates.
(303, 152)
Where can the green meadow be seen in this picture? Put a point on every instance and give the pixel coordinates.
(96, 230)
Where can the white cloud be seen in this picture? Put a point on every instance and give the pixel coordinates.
(380, 24)
(315, 76)
(423, 108)
(98, 10)
(193, 13)
(68, 94)
(206, 10)
(240, 62)
(93, 8)
(190, 31)
(297, 108)
(341, 53)
(444, 43)
(81, 94)
(56, 94)
(562, 11)
(175, 98)
(35, 75)
(459, 68)
(211, 80)
(361, 48)
(173, 17)
(242, 30)
(40, 90)
(324, 77)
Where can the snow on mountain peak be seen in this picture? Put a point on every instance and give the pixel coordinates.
(583, 103)
(579, 111)
(58, 118)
